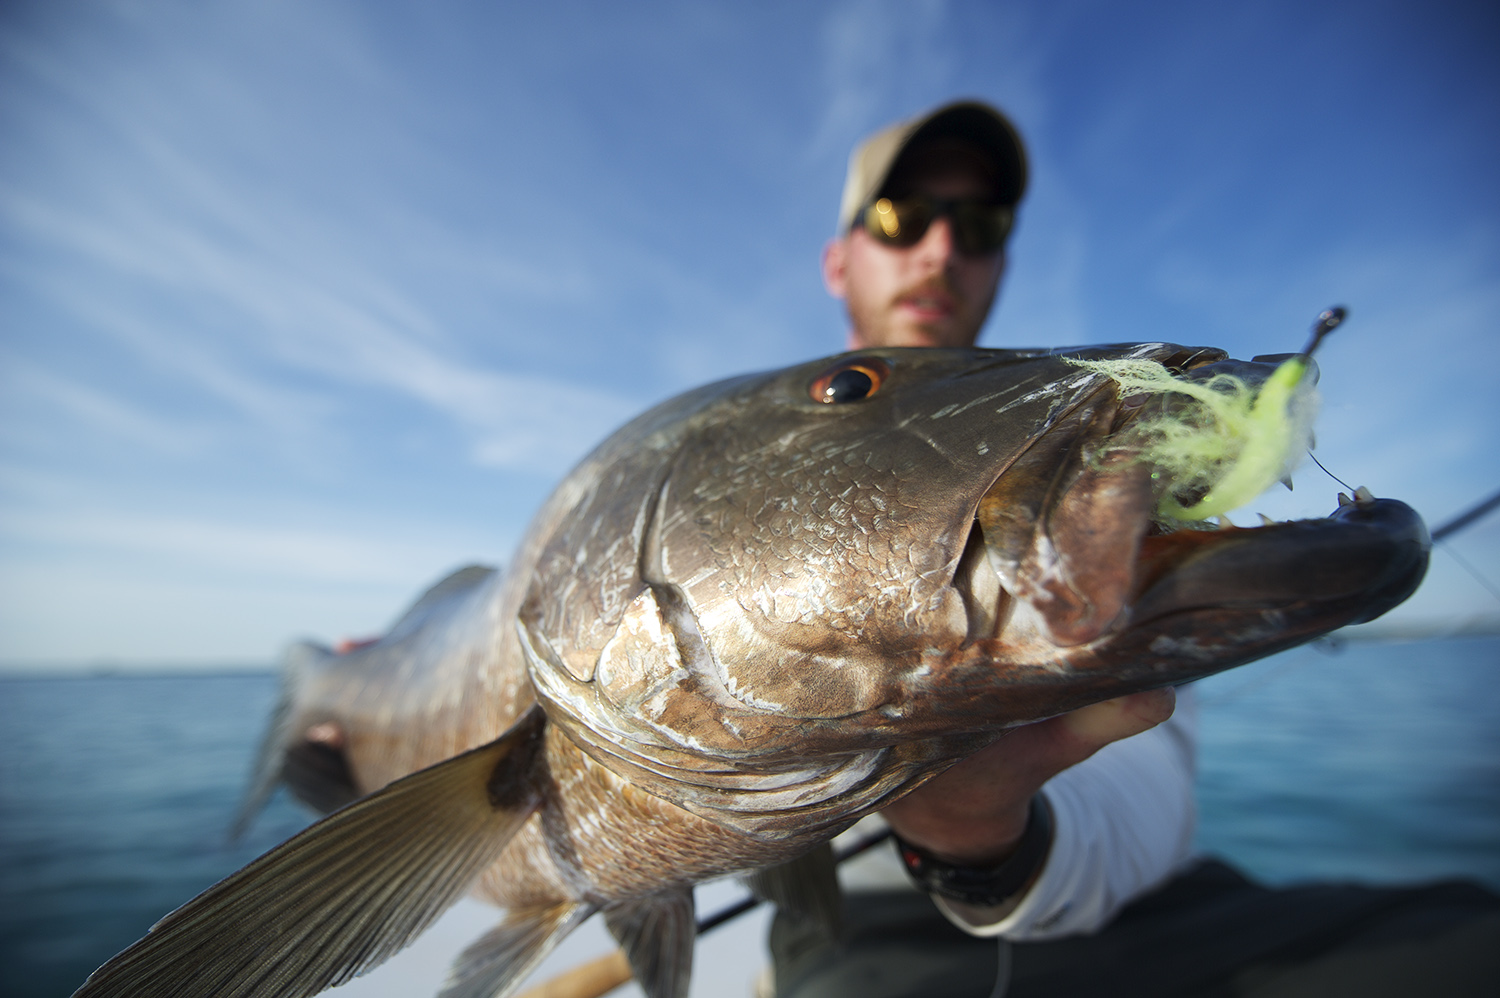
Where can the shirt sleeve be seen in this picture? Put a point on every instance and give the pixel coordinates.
(1123, 823)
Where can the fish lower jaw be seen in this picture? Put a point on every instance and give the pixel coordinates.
(1368, 555)
(1028, 638)
(1303, 577)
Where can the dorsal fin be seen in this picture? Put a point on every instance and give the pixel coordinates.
(455, 585)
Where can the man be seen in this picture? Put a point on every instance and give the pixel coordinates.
(926, 210)
(1050, 832)
(904, 281)
(918, 260)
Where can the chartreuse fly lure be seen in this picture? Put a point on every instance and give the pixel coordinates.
(1235, 442)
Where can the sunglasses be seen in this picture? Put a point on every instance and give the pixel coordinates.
(979, 228)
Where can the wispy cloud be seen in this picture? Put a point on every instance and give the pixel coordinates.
(879, 57)
(27, 387)
(272, 271)
(241, 549)
(267, 277)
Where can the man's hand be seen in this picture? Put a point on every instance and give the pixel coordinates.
(974, 814)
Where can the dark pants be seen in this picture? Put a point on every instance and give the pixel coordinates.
(1209, 933)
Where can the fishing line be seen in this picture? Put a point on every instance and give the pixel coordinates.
(1251, 685)
(1002, 969)
(1465, 519)
(1328, 320)
(1330, 474)
(1479, 578)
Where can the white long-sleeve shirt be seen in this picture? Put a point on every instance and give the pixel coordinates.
(1123, 823)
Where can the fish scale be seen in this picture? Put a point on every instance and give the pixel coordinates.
(745, 621)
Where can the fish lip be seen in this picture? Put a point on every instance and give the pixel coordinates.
(1347, 568)
(1095, 566)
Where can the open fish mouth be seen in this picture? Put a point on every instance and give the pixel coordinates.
(1369, 552)
(1067, 550)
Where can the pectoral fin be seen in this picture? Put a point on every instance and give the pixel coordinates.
(347, 892)
(657, 934)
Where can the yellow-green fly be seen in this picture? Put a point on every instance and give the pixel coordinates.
(1236, 441)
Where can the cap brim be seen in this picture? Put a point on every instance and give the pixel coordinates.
(872, 161)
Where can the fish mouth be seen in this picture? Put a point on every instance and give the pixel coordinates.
(1363, 559)
(1067, 551)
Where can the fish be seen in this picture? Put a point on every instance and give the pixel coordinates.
(755, 614)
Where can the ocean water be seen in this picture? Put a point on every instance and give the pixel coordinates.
(116, 794)
(1380, 762)
(1377, 762)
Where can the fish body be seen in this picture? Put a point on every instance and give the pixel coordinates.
(755, 614)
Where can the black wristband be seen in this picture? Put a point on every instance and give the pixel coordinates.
(985, 886)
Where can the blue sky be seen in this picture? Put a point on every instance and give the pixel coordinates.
(304, 304)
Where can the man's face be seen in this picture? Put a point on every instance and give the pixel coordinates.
(925, 295)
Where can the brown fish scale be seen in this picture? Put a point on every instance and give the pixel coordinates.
(599, 838)
(781, 615)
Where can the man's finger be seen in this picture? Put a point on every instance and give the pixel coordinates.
(1099, 724)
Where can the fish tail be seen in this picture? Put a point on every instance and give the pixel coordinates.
(301, 661)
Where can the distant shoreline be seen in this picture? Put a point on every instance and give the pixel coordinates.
(1484, 627)
(1487, 627)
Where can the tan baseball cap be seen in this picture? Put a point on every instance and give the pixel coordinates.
(873, 159)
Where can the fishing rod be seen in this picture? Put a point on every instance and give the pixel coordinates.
(1466, 518)
(1460, 522)
(1329, 320)
(602, 975)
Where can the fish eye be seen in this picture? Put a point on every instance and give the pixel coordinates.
(849, 380)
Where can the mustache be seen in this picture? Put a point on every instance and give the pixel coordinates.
(936, 285)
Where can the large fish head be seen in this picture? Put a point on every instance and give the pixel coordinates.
(780, 600)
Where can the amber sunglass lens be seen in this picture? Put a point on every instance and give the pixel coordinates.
(897, 223)
(978, 229)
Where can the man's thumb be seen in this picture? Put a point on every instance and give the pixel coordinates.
(1101, 723)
